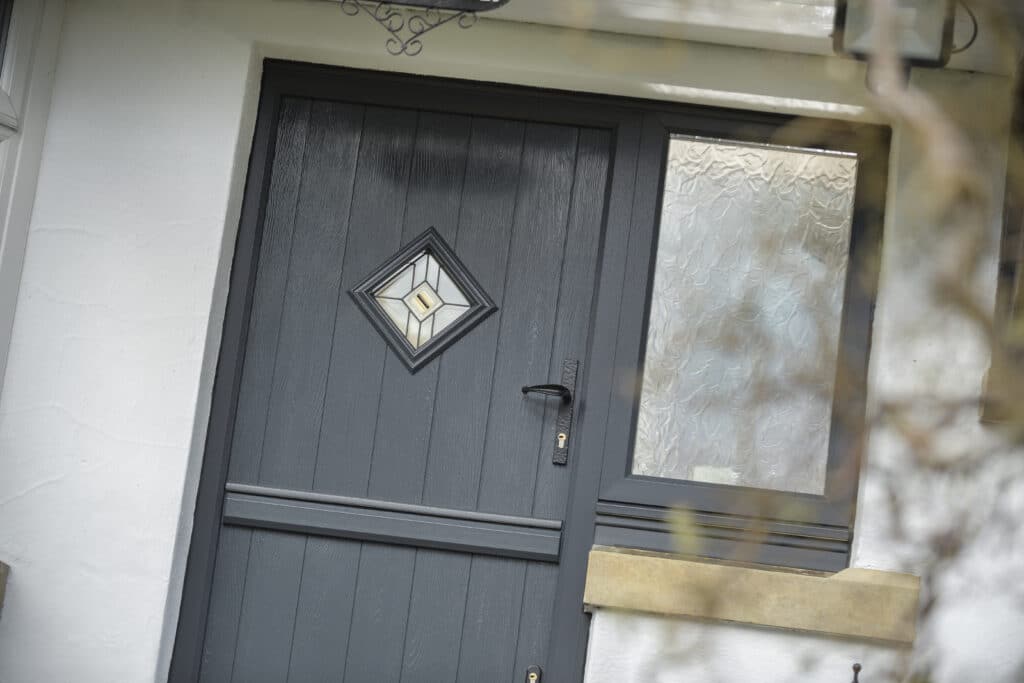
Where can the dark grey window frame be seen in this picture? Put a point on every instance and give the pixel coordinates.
(814, 532)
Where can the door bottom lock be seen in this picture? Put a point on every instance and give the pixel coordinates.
(533, 674)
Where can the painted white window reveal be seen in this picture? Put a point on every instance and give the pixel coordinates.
(25, 86)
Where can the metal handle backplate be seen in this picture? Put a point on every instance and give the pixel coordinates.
(565, 391)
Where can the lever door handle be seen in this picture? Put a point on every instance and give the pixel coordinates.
(553, 390)
(563, 422)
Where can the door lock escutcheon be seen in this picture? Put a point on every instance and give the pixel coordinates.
(566, 391)
(533, 674)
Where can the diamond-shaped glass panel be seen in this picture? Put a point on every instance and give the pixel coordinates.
(422, 299)
(413, 301)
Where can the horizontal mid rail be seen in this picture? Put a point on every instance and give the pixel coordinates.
(385, 522)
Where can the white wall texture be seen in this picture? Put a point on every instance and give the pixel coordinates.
(105, 400)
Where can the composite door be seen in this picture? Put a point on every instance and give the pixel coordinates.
(394, 501)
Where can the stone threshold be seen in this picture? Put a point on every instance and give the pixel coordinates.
(853, 603)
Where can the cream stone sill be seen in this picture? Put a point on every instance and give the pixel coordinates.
(857, 603)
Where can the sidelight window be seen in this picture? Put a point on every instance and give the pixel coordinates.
(745, 334)
(745, 313)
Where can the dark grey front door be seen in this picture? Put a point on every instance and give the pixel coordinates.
(387, 519)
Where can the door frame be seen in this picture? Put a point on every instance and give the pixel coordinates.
(624, 119)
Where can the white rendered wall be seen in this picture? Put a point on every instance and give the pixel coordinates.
(105, 401)
(644, 649)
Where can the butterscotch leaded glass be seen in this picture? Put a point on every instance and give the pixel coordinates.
(421, 300)
(746, 306)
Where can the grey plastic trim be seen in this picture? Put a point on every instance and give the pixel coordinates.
(419, 529)
(720, 543)
(386, 505)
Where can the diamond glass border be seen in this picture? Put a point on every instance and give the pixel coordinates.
(422, 299)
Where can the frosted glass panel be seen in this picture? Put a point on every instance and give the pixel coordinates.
(742, 341)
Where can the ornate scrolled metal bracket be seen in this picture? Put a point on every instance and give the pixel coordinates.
(407, 25)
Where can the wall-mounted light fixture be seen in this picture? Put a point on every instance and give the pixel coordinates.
(923, 30)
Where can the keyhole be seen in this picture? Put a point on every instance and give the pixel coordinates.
(562, 438)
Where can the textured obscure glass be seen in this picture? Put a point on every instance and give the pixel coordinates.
(742, 339)
(421, 300)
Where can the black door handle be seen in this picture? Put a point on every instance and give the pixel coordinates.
(565, 391)
(554, 390)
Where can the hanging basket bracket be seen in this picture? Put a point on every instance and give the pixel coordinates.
(407, 22)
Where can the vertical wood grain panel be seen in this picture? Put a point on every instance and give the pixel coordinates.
(320, 642)
(357, 359)
(268, 297)
(405, 411)
(225, 605)
(575, 298)
(299, 377)
(407, 400)
(268, 609)
(527, 319)
(311, 296)
(536, 616)
(300, 381)
(438, 603)
(436, 613)
(492, 620)
(463, 388)
(379, 614)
